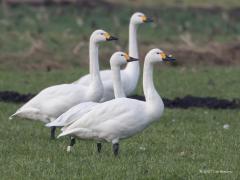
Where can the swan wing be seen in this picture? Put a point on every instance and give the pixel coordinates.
(84, 133)
(110, 119)
(72, 114)
(55, 100)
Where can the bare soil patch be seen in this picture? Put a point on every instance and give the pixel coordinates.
(179, 102)
(210, 54)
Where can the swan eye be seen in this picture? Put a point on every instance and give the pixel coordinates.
(158, 52)
(139, 15)
(122, 55)
(102, 33)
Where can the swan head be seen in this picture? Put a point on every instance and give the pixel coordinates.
(120, 58)
(157, 55)
(101, 36)
(140, 18)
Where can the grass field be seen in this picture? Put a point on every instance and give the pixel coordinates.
(221, 82)
(43, 46)
(180, 146)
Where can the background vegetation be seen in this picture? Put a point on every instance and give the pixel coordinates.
(46, 45)
(57, 37)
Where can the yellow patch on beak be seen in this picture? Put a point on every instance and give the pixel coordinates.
(163, 55)
(126, 56)
(144, 18)
(107, 35)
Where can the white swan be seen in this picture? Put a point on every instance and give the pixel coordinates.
(116, 61)
(130, 74)
(122, 117)
(51, 102)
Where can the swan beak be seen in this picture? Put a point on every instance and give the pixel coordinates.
(112, 38)
(167, 58)
(129, 59)
(146, 19)
(109, 37)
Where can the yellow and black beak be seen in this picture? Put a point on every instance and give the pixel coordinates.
(109, 37)
(167, 58)
(130, 59)
(146, 19)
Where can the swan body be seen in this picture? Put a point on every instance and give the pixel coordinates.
(110, 121)
(116, 61)
(69, 116)
(130, 74)
(51, 102)
(122, 117)
(55, 100)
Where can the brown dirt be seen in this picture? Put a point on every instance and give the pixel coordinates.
(211, 54)
(186, 55)
(33, 62)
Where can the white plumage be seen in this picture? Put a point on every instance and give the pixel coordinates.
(116, 61)
(122, 117)
(55, 100)
(51, 102)
(130, 74)
(72, 114)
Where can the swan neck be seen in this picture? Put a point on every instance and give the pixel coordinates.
(150, 92)
(133, 46)
(133, 68)
(94, 62)
(117, 82)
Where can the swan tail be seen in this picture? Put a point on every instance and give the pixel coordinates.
(17, 113)
(53, 123)
(24, 112)
(64, 127)
(59, 123)
(82, 133)
(13, 115)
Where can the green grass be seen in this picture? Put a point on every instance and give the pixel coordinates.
(178, 147)
(182, 144)
(221, 82)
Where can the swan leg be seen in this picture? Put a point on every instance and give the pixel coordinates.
(72, 142)
(53, 129)
(115, 148)
(99, 147)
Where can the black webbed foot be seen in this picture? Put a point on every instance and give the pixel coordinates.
(116, 149)
(53, 130)
(99, 147)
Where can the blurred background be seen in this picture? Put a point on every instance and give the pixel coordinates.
(45, 42)
(54, 34)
